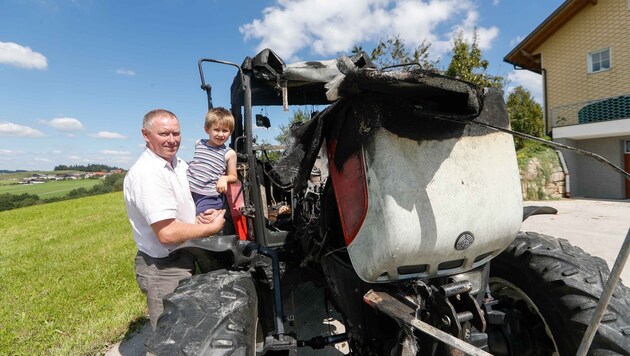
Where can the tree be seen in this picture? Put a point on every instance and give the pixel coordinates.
(115, 181)
(300, 116)
(467, 63)
(525, 114)
(392, 51)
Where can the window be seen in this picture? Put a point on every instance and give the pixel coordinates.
(627, 147)
(599, 61)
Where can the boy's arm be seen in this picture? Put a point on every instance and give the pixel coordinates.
(230, 172)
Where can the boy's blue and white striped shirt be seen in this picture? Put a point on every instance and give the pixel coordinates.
(207, 165)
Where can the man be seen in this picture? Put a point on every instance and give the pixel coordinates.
(162, 212)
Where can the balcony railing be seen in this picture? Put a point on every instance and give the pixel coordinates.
(607, 109)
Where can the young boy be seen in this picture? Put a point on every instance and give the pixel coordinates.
(213, 166)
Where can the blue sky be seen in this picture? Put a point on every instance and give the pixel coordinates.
(77, 76)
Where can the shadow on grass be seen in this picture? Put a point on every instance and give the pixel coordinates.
(133, 343)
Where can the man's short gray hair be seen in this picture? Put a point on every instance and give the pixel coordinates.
(147, 122)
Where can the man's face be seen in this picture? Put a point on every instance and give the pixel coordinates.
(164, 137)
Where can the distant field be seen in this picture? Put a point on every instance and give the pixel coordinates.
(17, 176)
(49, 189)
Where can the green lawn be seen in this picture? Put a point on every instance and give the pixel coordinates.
(49, 189)
(66, 277)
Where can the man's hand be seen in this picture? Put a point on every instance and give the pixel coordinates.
(210, 216)
(171, 231)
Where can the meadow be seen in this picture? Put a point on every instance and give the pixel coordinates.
(50, 189)
(67, 285)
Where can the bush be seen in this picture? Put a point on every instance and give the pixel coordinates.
(115, 181)
(11, 201)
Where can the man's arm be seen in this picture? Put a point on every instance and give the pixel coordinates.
(171, 231)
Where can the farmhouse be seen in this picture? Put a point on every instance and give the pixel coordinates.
(581, 51)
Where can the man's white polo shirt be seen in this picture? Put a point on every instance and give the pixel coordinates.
(155, 191)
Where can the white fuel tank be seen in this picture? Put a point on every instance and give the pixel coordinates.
(436, 207)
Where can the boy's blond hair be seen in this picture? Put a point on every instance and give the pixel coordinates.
(221, 117)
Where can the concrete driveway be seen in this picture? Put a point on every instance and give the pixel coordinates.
(597, 226)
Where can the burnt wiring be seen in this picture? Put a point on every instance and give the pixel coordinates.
(271, 178)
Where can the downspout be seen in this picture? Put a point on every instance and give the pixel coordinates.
(565, 170)
(546, 128)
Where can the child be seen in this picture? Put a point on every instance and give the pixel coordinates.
(213, 166)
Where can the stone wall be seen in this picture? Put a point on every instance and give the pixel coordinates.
(542, 179)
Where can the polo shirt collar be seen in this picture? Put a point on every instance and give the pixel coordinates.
(161, 161)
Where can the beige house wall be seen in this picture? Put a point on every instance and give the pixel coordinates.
(564, 56)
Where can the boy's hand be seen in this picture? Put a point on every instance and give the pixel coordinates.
(222, 184)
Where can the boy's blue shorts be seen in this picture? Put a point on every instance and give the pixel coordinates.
(205, 202)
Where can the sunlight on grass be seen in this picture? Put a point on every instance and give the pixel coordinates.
(66, 277)
(50, 189)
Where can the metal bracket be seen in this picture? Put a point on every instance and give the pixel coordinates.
(399, 311)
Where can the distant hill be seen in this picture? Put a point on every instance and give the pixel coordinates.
(19, 174)
(88, 168)
(4, 171)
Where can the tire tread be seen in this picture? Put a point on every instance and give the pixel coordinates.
(573, 282)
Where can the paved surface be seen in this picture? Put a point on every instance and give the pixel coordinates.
(598, 227)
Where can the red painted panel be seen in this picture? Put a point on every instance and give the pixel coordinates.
(350, 185)
(234, 196)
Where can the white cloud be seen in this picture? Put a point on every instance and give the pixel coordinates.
(66, 124)
(6, 152)
(515, 41)
(128, 72)
(20, 56)
(327, 27)
(486, 36)
(115, 153)
(528, 80)
(108, 135)
(39, 159)
(11, 129)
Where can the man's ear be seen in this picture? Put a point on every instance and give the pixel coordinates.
(145, 134)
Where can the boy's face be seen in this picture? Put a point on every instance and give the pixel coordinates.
(218, 134)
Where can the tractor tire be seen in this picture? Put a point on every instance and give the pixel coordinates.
(208, 314)
(548, 290)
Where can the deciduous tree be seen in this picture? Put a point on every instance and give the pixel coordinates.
(392, 51)
(467, 63)
(525, 114)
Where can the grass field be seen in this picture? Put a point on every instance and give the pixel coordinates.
(66, 277)
(49, 189)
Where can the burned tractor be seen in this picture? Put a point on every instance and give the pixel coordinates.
(399, 199)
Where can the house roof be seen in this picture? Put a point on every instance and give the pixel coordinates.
(523, 54)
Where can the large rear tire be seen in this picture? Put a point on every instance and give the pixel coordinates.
(208, 314)
(549, 290)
